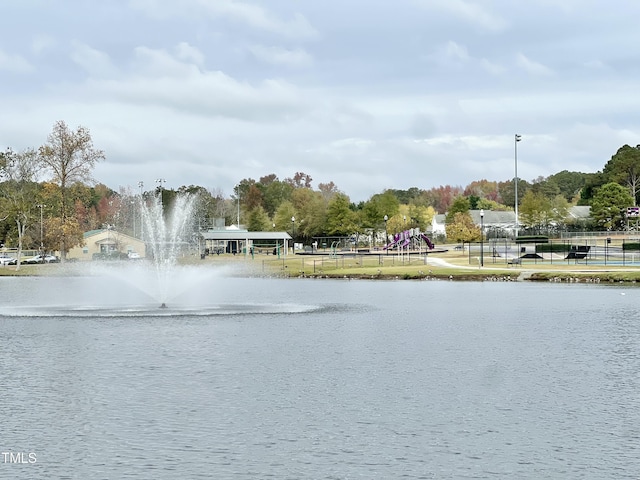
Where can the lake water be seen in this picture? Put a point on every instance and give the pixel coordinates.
(319, 379)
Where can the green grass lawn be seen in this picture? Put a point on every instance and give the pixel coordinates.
(392, 267)
(383, 267)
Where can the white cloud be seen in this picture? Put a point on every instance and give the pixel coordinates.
(14, 63)
(280, 56)
(258, 17)
(159, 63)
(596, 65)
(531, 66)
(42, 43)
(492, 68)
(91, 60)
(450, 54)
(246, 13)
(187, 53)
(160, 78)
(210, 92)
(360, 144)
(456, 51)
(470, 12)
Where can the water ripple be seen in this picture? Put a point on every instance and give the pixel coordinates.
(362, 380)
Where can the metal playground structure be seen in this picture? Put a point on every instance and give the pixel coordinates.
(409, 241)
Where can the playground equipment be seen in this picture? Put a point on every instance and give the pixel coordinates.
(334, 250)
(409, 240)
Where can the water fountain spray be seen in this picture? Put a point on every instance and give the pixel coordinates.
(166, 236)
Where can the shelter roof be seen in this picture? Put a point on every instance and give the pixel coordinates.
(244, 235)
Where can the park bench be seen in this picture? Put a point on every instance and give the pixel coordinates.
(514, 261)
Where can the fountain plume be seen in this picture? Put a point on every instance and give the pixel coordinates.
(165, 236)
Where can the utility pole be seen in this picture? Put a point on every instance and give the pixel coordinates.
(517, 139)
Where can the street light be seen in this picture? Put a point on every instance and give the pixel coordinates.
(108, 249)
(238, 196)
(517, 139)
(160, 181)
(386, 235)
(132, 202)
(141, 184)
(481, 238)
(41, 206)
(293, 233)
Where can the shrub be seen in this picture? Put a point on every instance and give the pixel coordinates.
(532, 239)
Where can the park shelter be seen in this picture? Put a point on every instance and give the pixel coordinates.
(244, 242)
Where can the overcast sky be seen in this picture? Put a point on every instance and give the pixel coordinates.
(369, 94)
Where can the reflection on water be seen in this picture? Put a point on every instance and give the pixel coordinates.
(323, 379)
(147, 311)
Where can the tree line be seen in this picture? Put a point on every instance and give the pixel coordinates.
(48, 199)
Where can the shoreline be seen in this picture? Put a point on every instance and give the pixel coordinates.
(529, 276)
(451, 268)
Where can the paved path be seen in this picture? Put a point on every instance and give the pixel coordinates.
(442, 263)
(523, 273)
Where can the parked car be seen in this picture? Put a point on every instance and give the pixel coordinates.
(7, 260)
(42, 259)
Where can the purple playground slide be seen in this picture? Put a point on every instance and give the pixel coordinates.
(403, 239)
(396, 239)
(429, 243)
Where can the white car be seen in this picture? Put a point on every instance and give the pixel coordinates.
(7, 260)
(42, 259)
(133, 255)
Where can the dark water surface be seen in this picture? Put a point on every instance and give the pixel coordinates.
(319, 379)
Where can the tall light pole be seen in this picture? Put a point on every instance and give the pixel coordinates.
(140, 185)
(517, 139)
(160, 182)
(386, 234)
(132, 202)
(238, 197)
(41, 206)
(481, 237)
(293, 234)
(108, 245)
